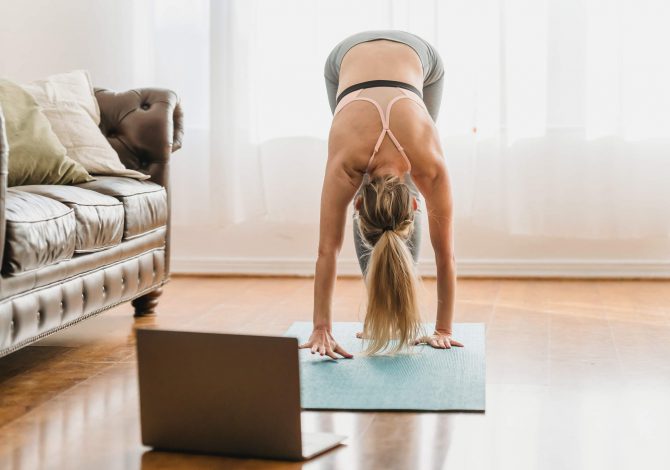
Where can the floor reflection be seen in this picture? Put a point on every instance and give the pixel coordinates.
(157, 460)
(577, 377)
(96, 425)
(384, 439)
(93, 422)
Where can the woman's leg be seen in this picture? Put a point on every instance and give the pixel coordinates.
(332, 79)
(362, 252)
(432, 97)
(432, 93)
(413, 243)
(331, 90)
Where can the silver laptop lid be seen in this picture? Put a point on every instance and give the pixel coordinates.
(219, 393)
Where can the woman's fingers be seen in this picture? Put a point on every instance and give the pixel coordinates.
(342, 352)
(422, 339)
(325, 345)
(328, 347)
(330, 353)
(438, 341)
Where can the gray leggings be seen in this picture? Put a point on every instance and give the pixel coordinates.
(432, 97)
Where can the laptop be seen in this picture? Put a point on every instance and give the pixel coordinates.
(228, 394)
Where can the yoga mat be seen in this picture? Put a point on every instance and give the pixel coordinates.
(430, 379)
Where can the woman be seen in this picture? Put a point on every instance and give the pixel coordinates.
(387, 69)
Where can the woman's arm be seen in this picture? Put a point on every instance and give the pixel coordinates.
(338, 191)
(435, 186)
(339, 187)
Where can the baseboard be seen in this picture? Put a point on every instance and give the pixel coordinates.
(575, 268)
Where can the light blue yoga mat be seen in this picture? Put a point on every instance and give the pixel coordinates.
(430, 379)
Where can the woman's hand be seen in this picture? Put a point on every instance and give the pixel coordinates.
(439, 340)
(322, 341)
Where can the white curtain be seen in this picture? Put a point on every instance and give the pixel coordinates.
(555, 119)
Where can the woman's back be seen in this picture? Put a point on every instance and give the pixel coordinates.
(356, 129)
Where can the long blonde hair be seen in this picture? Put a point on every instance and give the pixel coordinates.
(386, 222)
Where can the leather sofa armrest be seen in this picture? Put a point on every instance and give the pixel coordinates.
(4, 169)
(144, 126)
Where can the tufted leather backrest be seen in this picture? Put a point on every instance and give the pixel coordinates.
(4, 165)
(144, 126)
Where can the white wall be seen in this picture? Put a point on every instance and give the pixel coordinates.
(41, 37)
(272, 245)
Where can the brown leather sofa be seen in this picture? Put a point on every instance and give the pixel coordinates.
(70, 252)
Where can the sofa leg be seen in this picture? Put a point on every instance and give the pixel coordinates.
(146, 305)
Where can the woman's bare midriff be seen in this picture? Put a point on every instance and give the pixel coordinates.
(380, 59)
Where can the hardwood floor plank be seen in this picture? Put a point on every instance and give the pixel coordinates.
(578, 375)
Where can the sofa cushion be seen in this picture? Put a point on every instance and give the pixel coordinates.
(40, 231)
(99, 218)
(144, 203)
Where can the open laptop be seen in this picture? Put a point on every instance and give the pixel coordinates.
(223, 394)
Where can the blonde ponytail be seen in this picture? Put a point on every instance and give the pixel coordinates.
(386, 221)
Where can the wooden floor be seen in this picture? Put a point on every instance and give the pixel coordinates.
(578, 377)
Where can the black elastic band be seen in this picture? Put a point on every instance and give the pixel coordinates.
(374, 83)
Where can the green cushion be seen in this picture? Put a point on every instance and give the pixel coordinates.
(36, 156)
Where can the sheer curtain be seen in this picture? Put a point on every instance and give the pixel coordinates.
(555, 118)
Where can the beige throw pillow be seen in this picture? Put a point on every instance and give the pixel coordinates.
(68, 101)
(36, 156)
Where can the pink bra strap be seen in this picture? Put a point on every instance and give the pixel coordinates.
(346, 100)
(417, 100)
(385, 117)
(362, 98)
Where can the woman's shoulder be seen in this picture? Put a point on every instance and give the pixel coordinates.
(416, 131)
